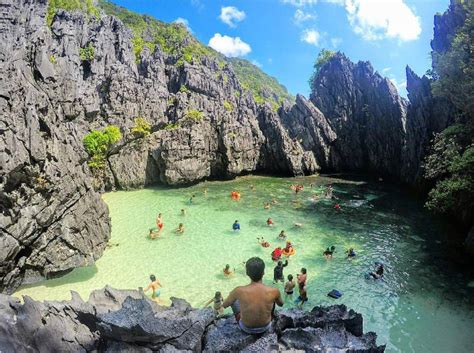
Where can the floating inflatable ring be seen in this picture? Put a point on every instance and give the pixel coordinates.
(288, 253)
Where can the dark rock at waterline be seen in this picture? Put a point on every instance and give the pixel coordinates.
(127, 321)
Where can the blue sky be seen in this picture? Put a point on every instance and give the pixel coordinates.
(284, 37)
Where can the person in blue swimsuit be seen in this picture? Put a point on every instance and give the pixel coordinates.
(236, 225)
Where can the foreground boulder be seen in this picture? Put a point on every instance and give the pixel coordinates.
(127, 321)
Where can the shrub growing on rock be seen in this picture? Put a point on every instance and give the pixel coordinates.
(194, 114)
(142, 127)
(87, 53)
(228, 106)
(97, 144)
(172, 126)
(86, 6)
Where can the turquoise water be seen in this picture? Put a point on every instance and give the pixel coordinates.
(422, 305)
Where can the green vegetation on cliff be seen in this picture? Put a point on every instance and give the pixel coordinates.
(263, 87)
(142, 127)
(86, 6)
(323, 57)
(97, 144)
(174, 39)
(450, 163)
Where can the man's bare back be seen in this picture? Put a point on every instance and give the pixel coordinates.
(256, 303)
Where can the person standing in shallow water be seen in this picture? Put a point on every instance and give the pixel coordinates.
(254, 303)
(159, 223)
(154, 286)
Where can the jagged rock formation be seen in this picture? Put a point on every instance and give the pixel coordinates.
(124, 320)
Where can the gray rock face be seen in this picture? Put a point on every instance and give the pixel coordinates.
(365, 112)
(127, 321)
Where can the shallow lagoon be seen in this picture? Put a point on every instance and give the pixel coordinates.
(422, 305)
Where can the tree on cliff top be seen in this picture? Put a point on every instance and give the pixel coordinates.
(323, 57)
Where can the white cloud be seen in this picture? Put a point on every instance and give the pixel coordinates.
(400, 85)
(301, 16)
(256, 63)
(310, 36)
(379, 19)
(335, 42)
(230, 15)
(300, 3)
(229, 46)
(183, 22)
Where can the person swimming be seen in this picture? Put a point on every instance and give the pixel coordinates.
(218, 300)
(266, 205)
(351, 253)
(183, 212)
(263, 243)
(329, 251)
(269, 222)
(236, 225)
(274, 201)
(337, 207)
(180, 229)
(154, 232)
(282, 235)
(298, 225)
(191, 199)
(154, 286)
(379, 270)
(227, 271)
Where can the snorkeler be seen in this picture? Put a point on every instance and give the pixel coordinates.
(227, 271)
(236, 225)
(269, 222)
(180, 229)
(282, 235)
(218, 300)
(154, 286)
(329, 251)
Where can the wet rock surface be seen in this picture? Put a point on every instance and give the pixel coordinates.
(124, 320)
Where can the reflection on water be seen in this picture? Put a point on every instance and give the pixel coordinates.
(421, 305)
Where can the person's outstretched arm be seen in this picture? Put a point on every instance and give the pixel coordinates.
(279, 300)
(231, 298)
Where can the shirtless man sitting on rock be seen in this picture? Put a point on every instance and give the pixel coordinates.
(253, 304)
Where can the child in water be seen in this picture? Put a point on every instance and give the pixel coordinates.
(218, 301)
(180, 229)
(289, 287)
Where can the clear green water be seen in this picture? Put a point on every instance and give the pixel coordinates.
(423, 305)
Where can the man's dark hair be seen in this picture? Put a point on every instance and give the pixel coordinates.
(280, 263)
(303, 271)
(152, 278)
(290, 277)
(255, 268)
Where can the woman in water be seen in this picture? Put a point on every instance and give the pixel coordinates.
(218, 301)
(180, 229)
(236, 225)
(159, 223)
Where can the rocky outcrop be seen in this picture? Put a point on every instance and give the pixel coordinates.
(120, 320)
(366, 114)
